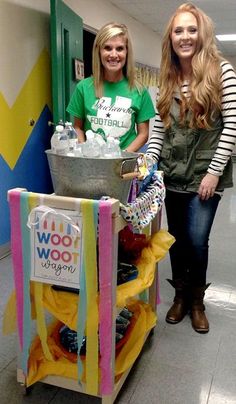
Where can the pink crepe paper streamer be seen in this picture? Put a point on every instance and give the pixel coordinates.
(105, 285)
(17, 258)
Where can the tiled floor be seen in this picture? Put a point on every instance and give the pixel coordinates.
(177, 365)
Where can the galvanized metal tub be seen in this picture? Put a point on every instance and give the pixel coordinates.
(92, 178)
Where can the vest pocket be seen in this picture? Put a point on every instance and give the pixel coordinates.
(203, 159)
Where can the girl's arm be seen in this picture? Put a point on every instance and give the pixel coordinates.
(79, 125)
(142, 137)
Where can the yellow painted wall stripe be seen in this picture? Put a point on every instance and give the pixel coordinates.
(34, 95)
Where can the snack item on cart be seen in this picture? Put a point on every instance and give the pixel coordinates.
(121, 328)
(122, 320)
(146, 182)
(126, 272)
(149, 201)
(126, 313)
(142, 165)
(118, 337)
(130, 245)
(68, 339)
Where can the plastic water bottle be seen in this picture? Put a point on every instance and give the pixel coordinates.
(117, 148)
(90, 148)
(72, 135)
(111, 148)
(78, 150)
(60, 141)
(99, 139)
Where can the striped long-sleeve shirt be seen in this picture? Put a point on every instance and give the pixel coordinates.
(228, 110)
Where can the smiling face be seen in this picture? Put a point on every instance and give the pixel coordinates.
(113, 55)
(184, 36)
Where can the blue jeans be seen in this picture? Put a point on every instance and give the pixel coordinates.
(190, 220)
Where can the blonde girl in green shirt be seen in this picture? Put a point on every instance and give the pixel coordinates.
(112, 102)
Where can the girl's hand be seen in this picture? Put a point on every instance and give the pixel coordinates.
(207, 187)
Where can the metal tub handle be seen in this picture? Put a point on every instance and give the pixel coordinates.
(128, 176)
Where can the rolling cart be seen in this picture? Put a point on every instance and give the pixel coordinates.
(45, 232)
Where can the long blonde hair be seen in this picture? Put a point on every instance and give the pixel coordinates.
(107, 32)
(205, 84)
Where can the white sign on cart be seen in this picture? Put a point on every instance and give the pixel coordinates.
(56, 246)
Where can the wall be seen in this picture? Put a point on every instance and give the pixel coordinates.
(25, 88)
(147, 44)
(25, 94)
(95, 13)
(232, 60)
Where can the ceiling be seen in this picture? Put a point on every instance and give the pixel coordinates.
(156, 13)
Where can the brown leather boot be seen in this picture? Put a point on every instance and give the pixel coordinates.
(180, 306)
(199, 320)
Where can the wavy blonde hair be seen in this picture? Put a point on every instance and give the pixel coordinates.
(107, 32)
(205, 84)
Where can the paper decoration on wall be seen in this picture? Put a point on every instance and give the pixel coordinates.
(147, 75)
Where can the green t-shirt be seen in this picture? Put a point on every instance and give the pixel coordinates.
(116, 113)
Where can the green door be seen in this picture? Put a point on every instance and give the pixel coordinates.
(66, 45)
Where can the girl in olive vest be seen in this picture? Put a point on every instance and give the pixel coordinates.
(193, 140)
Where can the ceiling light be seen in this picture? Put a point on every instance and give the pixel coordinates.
(229, 37)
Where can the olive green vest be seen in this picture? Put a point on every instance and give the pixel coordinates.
(187, 153)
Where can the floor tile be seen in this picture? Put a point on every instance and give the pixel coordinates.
(226, 357)
(223, 389)
(186, 349)
(167, 384)
(8, 350)
(13, 393)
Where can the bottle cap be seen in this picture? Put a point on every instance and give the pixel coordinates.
(59, 128)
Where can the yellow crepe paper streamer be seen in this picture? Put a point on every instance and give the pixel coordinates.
(38, 299)
(158, 245)
(40, 367)
(41, 324)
